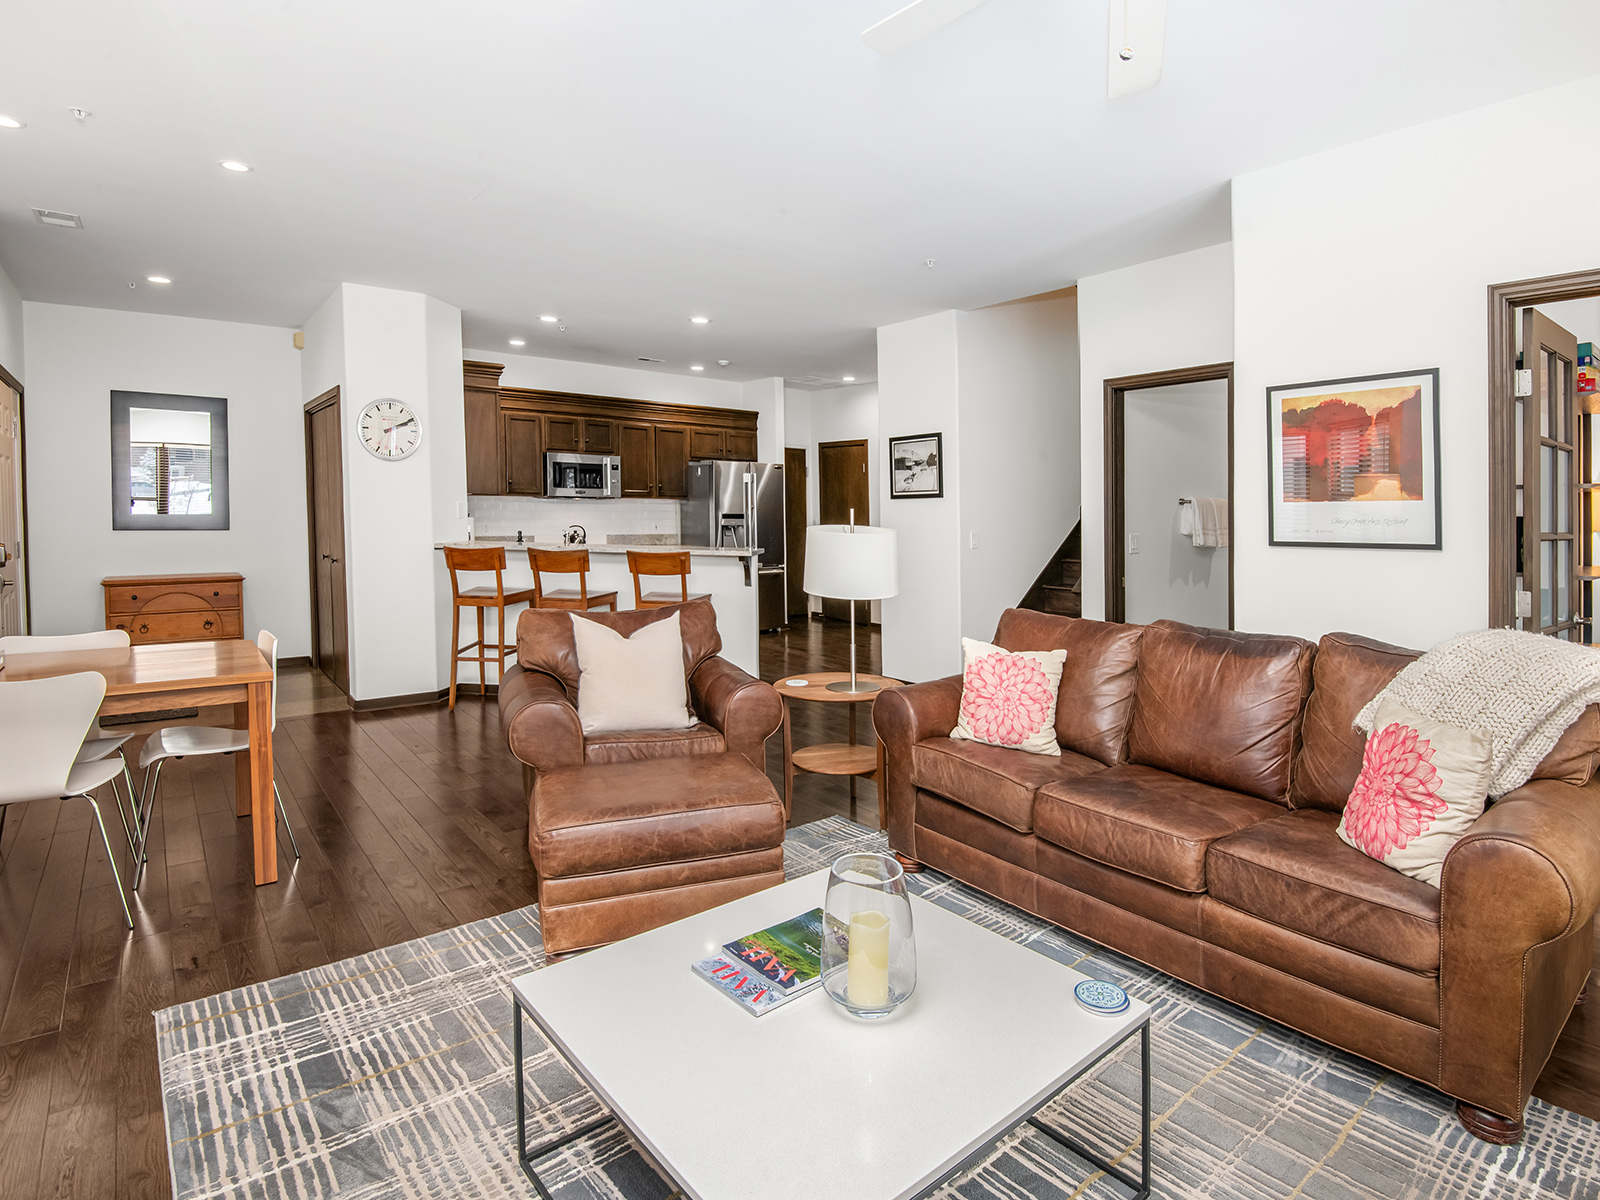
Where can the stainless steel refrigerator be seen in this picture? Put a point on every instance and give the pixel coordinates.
(741, 504)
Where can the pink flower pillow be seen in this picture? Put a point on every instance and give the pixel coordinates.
(1009, 699)
(1422, 785)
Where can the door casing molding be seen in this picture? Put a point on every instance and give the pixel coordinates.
(1116, 470)
(1504, 300)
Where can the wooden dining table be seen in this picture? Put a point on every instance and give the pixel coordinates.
(188, 675)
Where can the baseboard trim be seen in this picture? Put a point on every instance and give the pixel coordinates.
(413, 699)
(295, 660)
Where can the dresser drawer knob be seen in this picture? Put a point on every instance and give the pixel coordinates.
(133, 597)
(208, 625)
(144, 629)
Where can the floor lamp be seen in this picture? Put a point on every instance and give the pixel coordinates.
(852, 562)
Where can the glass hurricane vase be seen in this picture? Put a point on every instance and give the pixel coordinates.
(869, 953)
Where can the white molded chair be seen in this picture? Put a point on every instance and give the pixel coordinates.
(98, 744)
(42, 723)
(179, 741)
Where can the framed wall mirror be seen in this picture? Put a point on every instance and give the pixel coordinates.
(169, 461)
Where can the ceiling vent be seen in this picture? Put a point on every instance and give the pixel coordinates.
(642, 358)
(48, 216)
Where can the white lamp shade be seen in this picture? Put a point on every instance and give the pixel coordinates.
(852, 562)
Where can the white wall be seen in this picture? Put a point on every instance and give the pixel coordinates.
(836, 415)
(76, 357)
(405, 346)
(765, 397)
(1155, 316)
(1175, 440)
(1019, 450)
(1376, 257)
(11, 353)
(918, 392)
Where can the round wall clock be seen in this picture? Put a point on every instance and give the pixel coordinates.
(390, 430)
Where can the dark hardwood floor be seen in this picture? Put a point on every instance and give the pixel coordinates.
(409, 820)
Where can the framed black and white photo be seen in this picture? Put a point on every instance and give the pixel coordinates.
(1355, 462)
(916, 466)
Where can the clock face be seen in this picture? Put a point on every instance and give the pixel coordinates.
(389, 429)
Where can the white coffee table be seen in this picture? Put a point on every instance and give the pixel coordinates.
(869, 1110)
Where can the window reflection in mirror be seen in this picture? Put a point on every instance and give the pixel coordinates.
(169, 461)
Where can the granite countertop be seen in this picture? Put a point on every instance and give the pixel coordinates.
(511, 544)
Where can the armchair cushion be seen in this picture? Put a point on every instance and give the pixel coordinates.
(630, 745)
(632, 682)
(545, 641)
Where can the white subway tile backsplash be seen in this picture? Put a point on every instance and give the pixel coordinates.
(544, 520)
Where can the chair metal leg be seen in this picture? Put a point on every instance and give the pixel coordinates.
(111, 858)
(282, 812)
(117, 796)
(147, 811)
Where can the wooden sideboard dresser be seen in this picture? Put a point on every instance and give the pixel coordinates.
(176, 608)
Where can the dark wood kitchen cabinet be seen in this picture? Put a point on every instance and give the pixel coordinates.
(509, 429)
(523, 437)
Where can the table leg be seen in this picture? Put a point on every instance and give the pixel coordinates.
(258, 765)
(241, 765)
(852, 707)
(788, 763)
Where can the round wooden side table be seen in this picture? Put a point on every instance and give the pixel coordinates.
(832, 758)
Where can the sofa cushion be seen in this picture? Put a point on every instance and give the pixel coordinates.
(997, 782)
(1219, 707)
(1096, 680)
(1294, 871)
(1349, 670)
(635, 744)
(1145, 821)
(545, 642)
(1573, 759)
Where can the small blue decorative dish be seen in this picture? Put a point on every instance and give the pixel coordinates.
(1102, 998)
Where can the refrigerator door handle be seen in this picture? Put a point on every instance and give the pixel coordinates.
(752, 527)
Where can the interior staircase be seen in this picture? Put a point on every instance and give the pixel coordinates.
(1059, 588)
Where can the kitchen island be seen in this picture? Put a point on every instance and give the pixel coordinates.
(727, 575)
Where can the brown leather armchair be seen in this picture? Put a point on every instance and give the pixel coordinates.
(538, 696)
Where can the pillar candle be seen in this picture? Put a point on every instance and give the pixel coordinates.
(868, 983)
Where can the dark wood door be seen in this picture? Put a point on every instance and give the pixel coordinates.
(330, 626)
(842, 486)
(563, 433)
(741, 444)
(794, 534)
(524, 453)
(707, 443)
(637, 447)
(672, 461)
(599, 437)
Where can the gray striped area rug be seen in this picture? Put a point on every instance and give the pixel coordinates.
(390, 1075)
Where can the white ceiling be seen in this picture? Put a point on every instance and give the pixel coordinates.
(626, 165)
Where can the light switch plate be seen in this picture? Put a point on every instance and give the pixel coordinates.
(1133, 543)
(972, 540)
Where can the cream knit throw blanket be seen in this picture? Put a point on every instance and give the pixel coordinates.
(1520, 688)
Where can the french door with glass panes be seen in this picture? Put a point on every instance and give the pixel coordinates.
(1553, 494)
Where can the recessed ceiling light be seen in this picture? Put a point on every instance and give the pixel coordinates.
(157, 279)
(10, 123)
(549, 320)
(849, 378)
(700, 320)
(518, 342)
(233, 164)
(697, 367)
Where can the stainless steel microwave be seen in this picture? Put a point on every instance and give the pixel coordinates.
(582, 476)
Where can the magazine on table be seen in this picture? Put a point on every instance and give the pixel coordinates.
(765, 970)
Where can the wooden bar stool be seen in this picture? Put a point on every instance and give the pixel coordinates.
(672, 562)
(473, 559)
(566, 562)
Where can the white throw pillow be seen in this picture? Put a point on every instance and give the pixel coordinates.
(1009, 699)
(1422, 785)
(630, 682)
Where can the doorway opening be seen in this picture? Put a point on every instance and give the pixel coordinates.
(330, 627)
(1169, 496)
(796, 479)
(1544, 532)
(16, 613)
(842, 486)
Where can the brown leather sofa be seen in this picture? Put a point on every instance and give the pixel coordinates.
(628, 831)
(1189, 823)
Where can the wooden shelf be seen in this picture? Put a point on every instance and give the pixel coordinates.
(837, 758)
